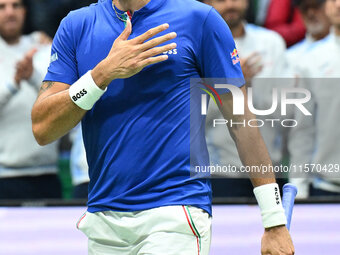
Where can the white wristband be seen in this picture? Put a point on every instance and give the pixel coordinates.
(269, 200)
(85, 92)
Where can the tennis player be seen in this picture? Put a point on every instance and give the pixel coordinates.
(129, 84)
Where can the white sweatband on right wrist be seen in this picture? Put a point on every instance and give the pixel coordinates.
(85, 92)
(269, 200)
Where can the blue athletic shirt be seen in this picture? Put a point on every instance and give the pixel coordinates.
(137, 135)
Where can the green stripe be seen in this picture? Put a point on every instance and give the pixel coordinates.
(211, 95)
(193, 224)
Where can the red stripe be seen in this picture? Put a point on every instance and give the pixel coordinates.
(198, 244)
(81, 220)
(129, 14)
(213, 90)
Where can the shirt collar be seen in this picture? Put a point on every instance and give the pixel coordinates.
(151, 6)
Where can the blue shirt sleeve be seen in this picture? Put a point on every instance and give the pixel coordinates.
(217, 56)
(63, 65)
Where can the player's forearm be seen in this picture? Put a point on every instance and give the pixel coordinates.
(54, 116)
(248, 140)
(253, 153)
(59, 108)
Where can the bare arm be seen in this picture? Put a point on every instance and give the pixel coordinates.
(54, 113)
(248, 140)
(253, 152)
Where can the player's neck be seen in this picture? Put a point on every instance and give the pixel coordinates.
(238, 30)
(130, 5)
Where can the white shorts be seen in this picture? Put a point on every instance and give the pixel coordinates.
(168, 230)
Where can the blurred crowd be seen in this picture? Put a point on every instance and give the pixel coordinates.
(27, 170)
(280, 43)
(46, 15)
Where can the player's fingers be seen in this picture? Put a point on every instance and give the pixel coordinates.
(157, 41)
(291, 252)
(150, 33)
(157, 50)
(126, 32)
(153, 60)
(266, 252)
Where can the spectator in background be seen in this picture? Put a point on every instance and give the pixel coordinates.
(284, 18)
(257, 11)
(78, 162)
(262, 54)
(27, 171)
(315, 139)
(46, 15)
(318, 26)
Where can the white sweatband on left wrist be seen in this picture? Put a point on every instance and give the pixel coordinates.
(85, 92)
(269, 200)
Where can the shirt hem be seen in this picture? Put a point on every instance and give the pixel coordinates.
(94, 209)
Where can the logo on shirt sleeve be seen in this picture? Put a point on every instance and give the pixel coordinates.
(234, 57)
(54, 57)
